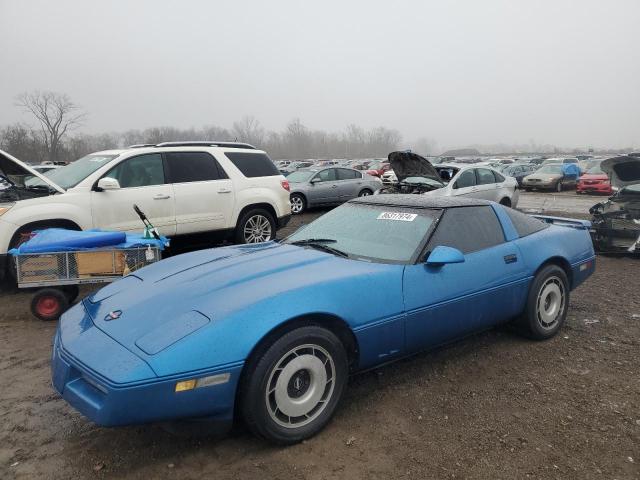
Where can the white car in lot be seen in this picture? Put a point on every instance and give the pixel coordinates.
(415, 174)
(225, 189)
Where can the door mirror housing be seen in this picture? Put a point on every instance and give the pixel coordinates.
(314, 180)
(107, 183)
(442, 255)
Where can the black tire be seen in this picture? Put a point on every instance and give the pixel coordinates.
(549, 285)
(258, 216)
(559, 186)
(298, 203)
(260, 400)
(49, 303)
(506, 202)
(365, 192)
(72, 292)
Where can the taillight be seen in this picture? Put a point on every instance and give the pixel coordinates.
(285, 184)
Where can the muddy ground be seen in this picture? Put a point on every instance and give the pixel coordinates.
(492, 406)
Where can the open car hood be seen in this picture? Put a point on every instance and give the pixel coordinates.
(407, 164)
(622, 171)
(10, 166)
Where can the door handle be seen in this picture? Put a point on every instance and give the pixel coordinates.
(512, 258)
(224, 190)
(161, 197)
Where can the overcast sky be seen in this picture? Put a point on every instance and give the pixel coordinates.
(458, 72)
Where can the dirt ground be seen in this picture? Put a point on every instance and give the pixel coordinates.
(492, 406)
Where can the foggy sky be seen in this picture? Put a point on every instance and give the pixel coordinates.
(457, 72)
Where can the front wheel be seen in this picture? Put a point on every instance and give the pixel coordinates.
(291, 391)
(547, 304)
(255, 226)
(559, 187)
(365, 193)
(298, 204)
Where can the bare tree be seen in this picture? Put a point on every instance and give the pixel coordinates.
(56, 113)
(248, 130)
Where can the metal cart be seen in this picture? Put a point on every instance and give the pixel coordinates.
(58, 275)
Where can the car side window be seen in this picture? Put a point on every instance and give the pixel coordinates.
(466, 179)
(499, 178)
(468, 229)
(140, 171)
(328, 175)
(346, 174)
(485, 176)
(185, 167)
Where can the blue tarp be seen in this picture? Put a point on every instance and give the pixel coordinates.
(54, 240)
(571, 170)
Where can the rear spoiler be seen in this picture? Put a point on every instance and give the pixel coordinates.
(565, 222)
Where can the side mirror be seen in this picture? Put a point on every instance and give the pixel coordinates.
(314, 180)
(108, 183)
(442, 255)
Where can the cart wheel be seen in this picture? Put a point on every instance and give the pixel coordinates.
(49, 304)
(72, 292)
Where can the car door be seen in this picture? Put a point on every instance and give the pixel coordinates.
(464, 184)
(487, 189)
(142, 182)
(204, 195)
(349, 183)
(450, 301)
(323, 187)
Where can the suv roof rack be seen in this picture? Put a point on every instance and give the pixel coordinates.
(205, 144)
(141, 145)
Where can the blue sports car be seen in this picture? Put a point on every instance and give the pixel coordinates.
(270, 332)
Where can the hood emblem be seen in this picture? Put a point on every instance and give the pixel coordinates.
(113, 315)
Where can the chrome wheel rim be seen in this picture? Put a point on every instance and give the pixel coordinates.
(296, 204)
(364, 193)
(300, 386)
(257, 229)
(550, 303)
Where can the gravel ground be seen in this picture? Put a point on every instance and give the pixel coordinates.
(491, 406)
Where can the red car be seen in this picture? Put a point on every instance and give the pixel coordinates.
(377, 168)
(594, 180)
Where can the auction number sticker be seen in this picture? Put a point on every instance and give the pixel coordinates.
(398, 216)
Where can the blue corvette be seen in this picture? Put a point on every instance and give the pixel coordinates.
(270, 332)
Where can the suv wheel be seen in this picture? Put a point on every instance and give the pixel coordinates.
(256, 226)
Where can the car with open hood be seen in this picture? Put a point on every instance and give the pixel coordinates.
(416, 175)
(616, 222)
(226, 190)
(270, 332)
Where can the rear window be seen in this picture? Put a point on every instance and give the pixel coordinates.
(253, 164)
(185, 167)
(525, 224)
(468, 229)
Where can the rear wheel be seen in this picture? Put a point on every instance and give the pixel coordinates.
(298, 204)
(49, 303)
(292, 390)
(256, 226)
(365, 193)
(506, 202)
(547, 304)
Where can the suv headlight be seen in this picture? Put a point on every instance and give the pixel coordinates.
(4, 208)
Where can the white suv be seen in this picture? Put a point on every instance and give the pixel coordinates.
(182, 187)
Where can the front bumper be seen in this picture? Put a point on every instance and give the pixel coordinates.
(540, 185)
(283, 221)
(151, 400)
(603, 188)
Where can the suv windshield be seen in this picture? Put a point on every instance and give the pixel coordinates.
(381, 233)
(71, 175)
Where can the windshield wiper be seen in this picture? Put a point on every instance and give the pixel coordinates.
(319, 243)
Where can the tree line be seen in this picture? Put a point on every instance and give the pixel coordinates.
(53, 135)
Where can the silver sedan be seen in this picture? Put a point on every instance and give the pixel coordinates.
(313, 187)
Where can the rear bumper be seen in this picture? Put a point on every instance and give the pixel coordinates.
(151, 400)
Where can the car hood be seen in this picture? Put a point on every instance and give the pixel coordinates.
(9, 165)
(157, 306)
(407, 164)
(623, 171)
(594, 176)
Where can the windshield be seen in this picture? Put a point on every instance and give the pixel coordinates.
(300, 176)
(551, 169)
(385, 234)
(72, 174)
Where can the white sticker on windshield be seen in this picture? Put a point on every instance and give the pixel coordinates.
(402, 217)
